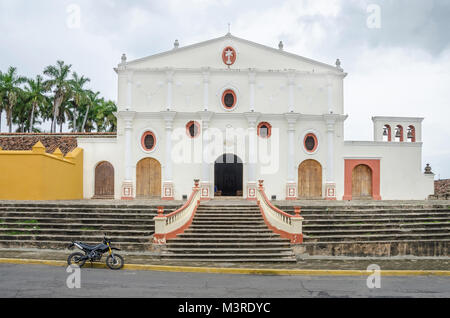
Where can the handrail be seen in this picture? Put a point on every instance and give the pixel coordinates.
(175, 223)
(282, 223)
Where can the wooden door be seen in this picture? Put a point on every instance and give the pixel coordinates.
(104, 181)
(148, 179)
(362, 182)
(310, 180)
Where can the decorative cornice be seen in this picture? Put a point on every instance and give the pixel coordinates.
(387, 118)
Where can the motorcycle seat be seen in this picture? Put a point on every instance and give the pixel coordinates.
(90, 247)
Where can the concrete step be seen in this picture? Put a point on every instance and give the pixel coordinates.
(230, 250)
(371, 237)
(35, 230)
(75, 226)
(217, 231)
(235, 260)
(242, 235)
(126, 246)
(376, 220)
(77, 220)
(308, 227)
(378, 231)
(68, 238)
(81, 210)
(230, 255)
(77, 215)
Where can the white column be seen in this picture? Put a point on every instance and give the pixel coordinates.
(168, 185)
(127, 184)
(291, 185)
(169, 74)
(252, 117)
(205, 184)
(206, 89)
(330, 95)
(129, 90)
(291, 84)
(251, 80)
(330, 186)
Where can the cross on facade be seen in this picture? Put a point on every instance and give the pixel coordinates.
(229, 55)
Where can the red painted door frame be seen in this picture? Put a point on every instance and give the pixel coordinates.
(373, 164)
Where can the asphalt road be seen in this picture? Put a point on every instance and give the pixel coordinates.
(47, 281)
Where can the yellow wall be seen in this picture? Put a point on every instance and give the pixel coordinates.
(36, 175)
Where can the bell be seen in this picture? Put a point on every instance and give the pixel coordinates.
(385, 131)
(398, 134)
(410, 134)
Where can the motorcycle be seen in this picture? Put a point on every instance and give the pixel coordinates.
(94, 253)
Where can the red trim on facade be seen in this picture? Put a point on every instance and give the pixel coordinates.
(294, 238)
(229, 91)
(269, 129)
(127, 198)
(316, 143)
(188, 125)
(401, 132)
(413, 132)
(374, 165)
(232, 58)
(148, 133)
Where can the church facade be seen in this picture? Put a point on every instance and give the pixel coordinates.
(230, 112)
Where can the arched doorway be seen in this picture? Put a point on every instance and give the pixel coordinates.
(104, 181)
(310, 180)
(148, 179)
(362, 183)
(228, 176)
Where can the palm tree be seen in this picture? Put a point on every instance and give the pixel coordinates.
(104, 116)
(92, 104)
(61, 87)
(10, 91)
(35, 91)
(79, 97)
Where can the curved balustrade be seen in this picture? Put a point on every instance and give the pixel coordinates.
(170, 225)
(288, 226)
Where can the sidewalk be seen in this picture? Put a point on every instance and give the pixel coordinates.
(307, 263)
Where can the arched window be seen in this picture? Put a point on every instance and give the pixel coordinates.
(387, 133)
(411, 136)
(399, 133)
(148, 141)
(264, 130)
(193, 129)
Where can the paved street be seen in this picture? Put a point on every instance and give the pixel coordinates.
(46, 281)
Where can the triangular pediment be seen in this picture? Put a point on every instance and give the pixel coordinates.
(248, 55)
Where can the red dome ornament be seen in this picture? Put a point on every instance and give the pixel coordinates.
(229, 55)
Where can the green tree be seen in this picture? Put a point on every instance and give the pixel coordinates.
(9, 91)
(35, 91)
(58, 82)
(79, 97)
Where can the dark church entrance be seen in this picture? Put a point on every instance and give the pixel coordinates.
(228, 175)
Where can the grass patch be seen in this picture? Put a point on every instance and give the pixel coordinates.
(27, 222)
(15, 233)
(88, 229)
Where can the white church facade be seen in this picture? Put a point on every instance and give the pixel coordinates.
(230, 112)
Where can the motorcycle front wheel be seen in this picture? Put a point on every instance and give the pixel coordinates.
(76, 259)
(115, 262)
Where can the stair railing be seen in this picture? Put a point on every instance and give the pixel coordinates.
(170, 225)
(286, 225)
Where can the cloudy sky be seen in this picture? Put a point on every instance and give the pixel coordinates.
(398, 65)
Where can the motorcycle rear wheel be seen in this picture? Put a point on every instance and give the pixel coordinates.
(115, 263)
(76, 259)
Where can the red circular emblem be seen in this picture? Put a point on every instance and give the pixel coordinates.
(229, 55)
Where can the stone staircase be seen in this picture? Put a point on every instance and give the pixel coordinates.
(376, 230)
(227, 231)
(55, 225)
